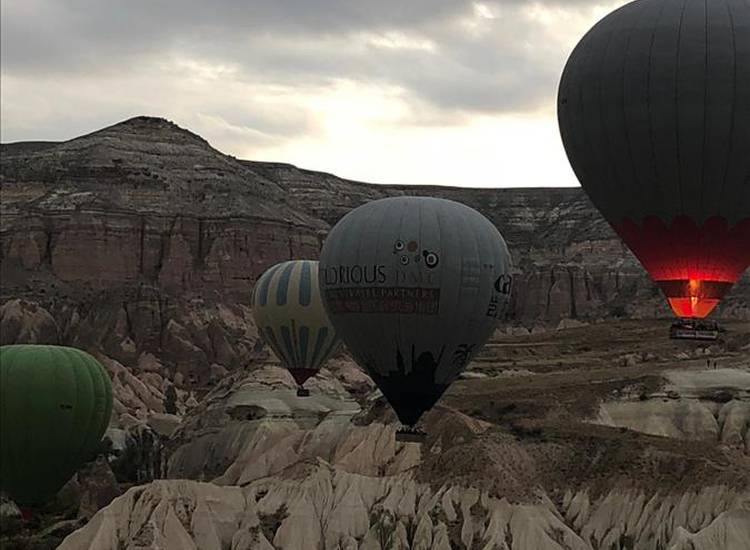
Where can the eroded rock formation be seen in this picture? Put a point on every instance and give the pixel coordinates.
(146, 202)
(140, 243)
(330, 509)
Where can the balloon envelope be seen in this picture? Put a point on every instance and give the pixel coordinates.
(414, 287)
(291, 319)
(55, 404)
(654, 112)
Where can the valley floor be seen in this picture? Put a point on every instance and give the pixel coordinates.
(607, 436)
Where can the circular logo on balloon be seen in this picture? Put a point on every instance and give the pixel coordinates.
(431, 259)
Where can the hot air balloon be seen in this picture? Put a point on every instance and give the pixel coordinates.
(291, 319)
(414, 287)
(55, 404)
(654, 112)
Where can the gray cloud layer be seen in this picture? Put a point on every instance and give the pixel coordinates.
(509, 63)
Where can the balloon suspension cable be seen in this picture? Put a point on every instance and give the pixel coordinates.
(302, 392)
(411, 434)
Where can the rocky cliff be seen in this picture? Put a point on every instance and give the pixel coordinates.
(569, 262)
(145, 202)
(141, 243)
(548, 231)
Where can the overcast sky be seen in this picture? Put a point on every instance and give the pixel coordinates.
(394, 91)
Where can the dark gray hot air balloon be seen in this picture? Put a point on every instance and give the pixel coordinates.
(654, 110)
(414, 287)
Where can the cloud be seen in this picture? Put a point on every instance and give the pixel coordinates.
(267, 76)
(492, 56)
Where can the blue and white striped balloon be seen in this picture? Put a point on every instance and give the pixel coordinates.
(291, 319)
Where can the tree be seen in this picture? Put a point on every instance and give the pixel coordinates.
(170, 400)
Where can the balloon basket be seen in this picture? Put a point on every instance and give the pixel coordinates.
(302, 392)
(694, 329)
(411, 435)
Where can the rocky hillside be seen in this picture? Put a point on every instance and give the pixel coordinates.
(329, 509)
(569, 262)
(145, 202)
(140, 243)
(531, 450)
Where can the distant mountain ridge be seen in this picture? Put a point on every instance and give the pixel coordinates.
(130, 165)
(156, 204)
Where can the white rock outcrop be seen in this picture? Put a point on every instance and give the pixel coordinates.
(327, 508)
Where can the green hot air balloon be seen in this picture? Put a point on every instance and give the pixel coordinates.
(55, 404)
(291, 320)
(414, 287)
